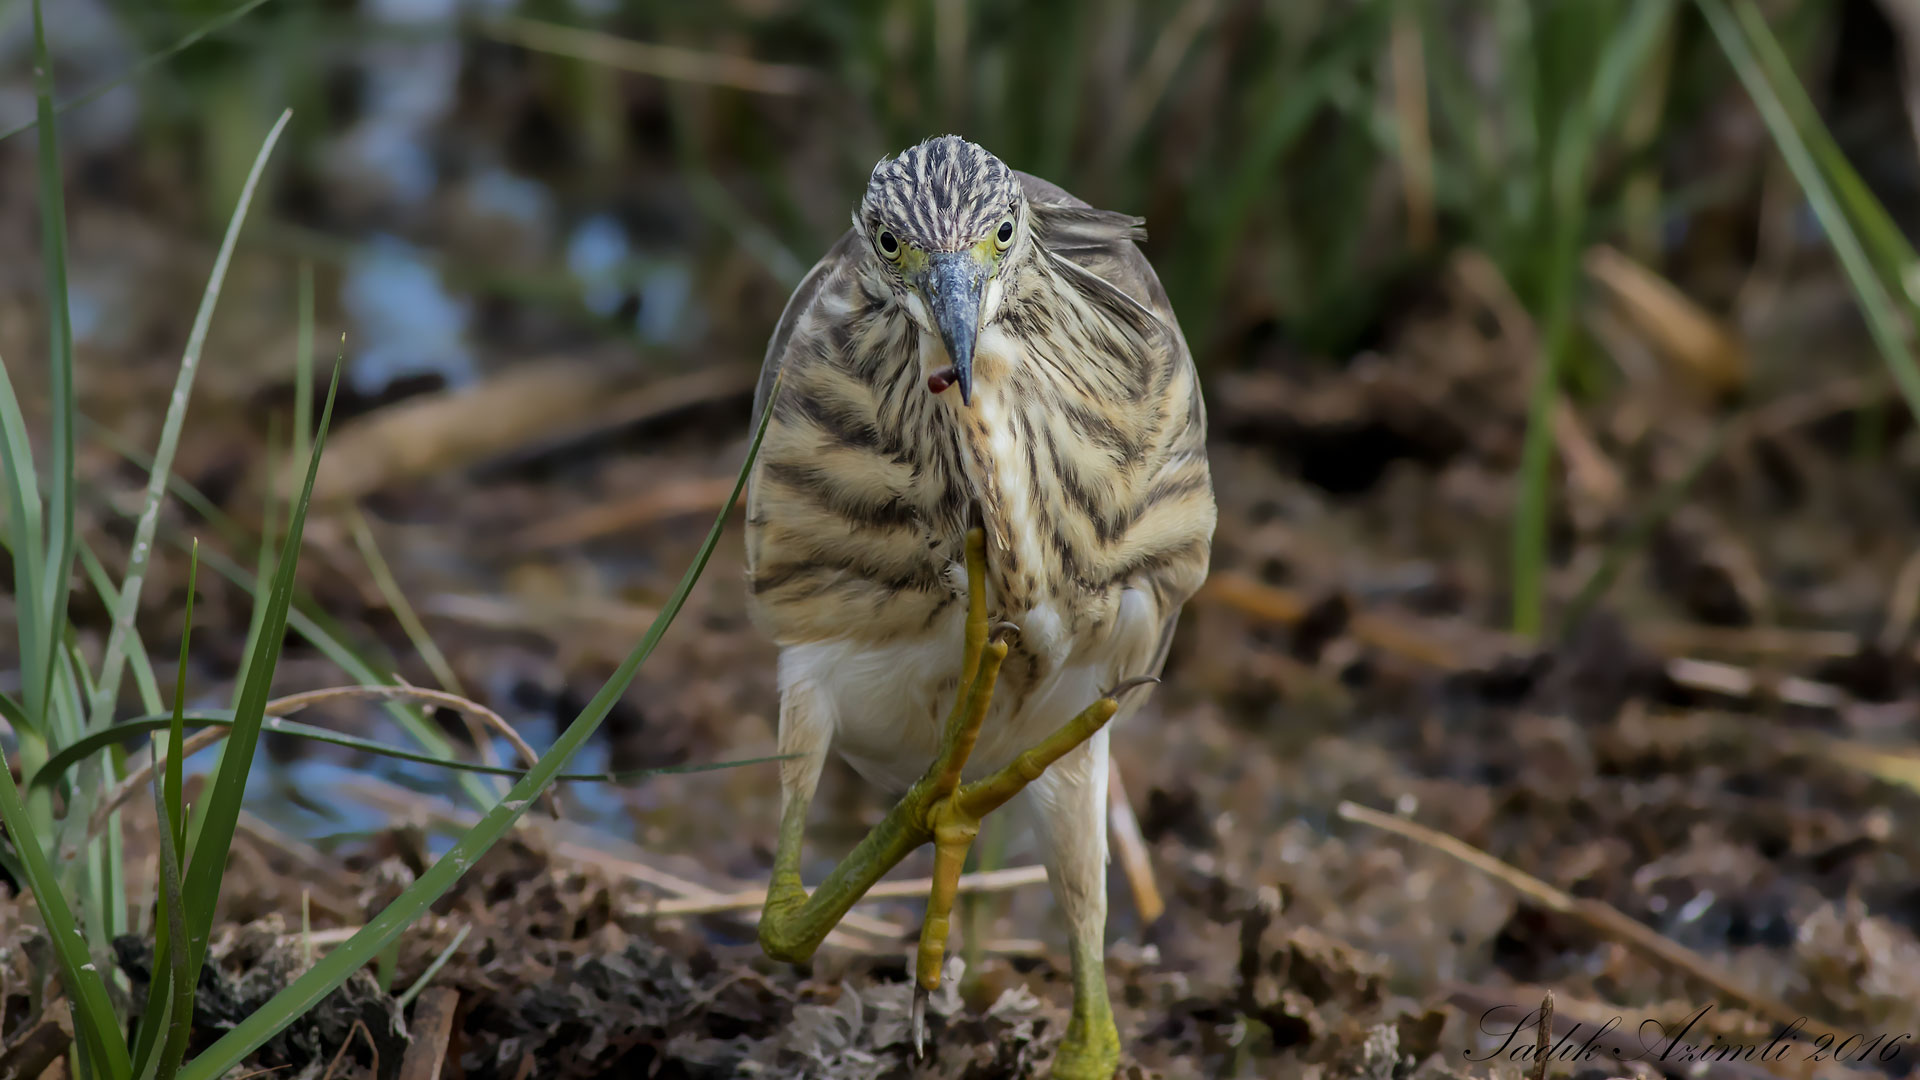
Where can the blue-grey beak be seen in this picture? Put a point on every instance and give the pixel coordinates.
(954, 288)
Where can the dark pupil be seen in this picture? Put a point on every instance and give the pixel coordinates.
(1006, 231)
(887, 243)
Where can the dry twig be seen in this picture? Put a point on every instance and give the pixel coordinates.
(432, 1028)
(660, 61)
(522, 410)
(1407, 55)
(1410, 637)
(281, 708)
(1588, 468)
(985, 881)
(1675, 638)
(666, 500)
(1602, 917)
(1739, 682)
(621, 860)
(1544, 1039)
(1130, 849)
(1707, 351)
(359, 1028)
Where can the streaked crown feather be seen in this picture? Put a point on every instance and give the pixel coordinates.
(945, 194)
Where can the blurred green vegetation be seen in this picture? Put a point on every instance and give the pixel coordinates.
(1290, 178)
(1306, 167)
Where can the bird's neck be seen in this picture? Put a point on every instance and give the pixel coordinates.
(1052, 448)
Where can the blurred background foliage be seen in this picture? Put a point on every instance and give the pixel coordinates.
(1303, 165)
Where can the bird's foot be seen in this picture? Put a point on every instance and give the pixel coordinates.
(1090, 1050)
(954, 820)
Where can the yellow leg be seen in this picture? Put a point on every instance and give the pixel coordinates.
(794, 922)
(1090, 1050)
(940, 808)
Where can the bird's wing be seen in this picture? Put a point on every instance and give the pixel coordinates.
(803, 296)
(1101, 244)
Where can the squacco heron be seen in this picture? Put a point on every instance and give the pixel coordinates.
(981, 501)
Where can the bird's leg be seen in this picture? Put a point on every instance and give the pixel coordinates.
(1073, 830)
(953, 832)
(1069, 815)
(940, 808)
(794, 922)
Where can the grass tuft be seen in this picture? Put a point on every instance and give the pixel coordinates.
(321, 979)
(1772, 85)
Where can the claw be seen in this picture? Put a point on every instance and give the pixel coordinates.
(918, 1020)
(1133, 683)
(1004, 631)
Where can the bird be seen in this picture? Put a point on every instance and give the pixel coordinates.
(979, 501)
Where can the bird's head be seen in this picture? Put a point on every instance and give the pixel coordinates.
(944, 220)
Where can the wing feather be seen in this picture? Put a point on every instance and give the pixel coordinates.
(803, 296)
(1103, 246)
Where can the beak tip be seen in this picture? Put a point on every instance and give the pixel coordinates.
(953, 292)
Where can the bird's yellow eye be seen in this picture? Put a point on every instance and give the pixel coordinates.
(1003, 236)
(889, 246)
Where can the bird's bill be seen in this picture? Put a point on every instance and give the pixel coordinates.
(954, 287)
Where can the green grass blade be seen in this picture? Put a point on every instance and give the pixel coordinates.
(170, 815)
(303, 365)
(174, 1009)
(57, 562)
(177, 729)
(111, 855)
(138, 556)
(257, 616)
(223, 799)
(147, 63)
(1885, 243)
(320, 980)
(265, 554)
(396, 599)
(25, 541)
(136, 651)
(1883, 323)
(98, 1029)
(306, 619)
(229, 530)
(1625, 53)
(103, 1052)
(440, 961)
(317, 630)
(94, 741)
(1288, 103)
(1520, 93)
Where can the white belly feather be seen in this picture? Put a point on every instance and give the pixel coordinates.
(886, 711)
